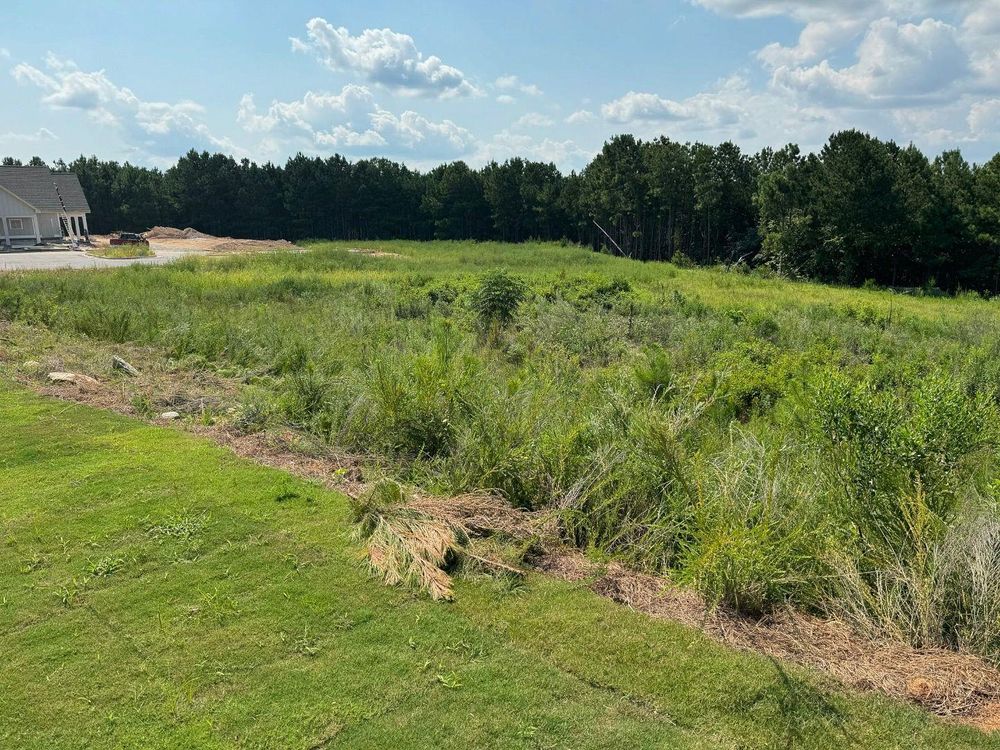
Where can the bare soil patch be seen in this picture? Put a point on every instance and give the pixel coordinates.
(172, 233)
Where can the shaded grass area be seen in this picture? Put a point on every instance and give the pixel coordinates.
(159, 592)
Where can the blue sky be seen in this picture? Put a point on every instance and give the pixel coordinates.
(546, 79)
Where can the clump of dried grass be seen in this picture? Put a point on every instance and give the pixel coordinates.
(415, 541)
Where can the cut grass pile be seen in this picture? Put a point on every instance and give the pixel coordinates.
(121, 252)
(159, 592)
(761, 441)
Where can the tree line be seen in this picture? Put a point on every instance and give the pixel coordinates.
(860, 209)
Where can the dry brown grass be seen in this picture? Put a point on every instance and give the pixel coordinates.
(415, 539)
(949, 684)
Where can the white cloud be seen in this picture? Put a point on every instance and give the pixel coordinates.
(816, 39)
(385, 57)
(811, 10)
(4, 53)
(152, 127)
(505, 99)
(534, 120)
(416, 132)
(352, 120)
(505, 145)
(39, 136)
(308, 113)
(829, 26)
(923, 70)
(707, 109)
(580, 116)
(984, 118)
(513, 83)
(897, 64)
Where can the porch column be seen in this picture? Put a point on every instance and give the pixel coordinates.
(73, 229)
(38, 234)
(6, 234)
(86, 229)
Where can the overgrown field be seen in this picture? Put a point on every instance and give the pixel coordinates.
(156, 592)
(760, 440)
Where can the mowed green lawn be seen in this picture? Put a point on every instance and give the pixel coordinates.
(156, 591)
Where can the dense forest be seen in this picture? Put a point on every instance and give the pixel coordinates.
(860, 209)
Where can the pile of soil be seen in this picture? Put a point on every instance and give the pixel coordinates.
(192, 239)
(236, 246)
(172, 233)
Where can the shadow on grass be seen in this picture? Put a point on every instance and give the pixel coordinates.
(802, 711)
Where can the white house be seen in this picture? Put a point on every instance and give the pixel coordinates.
(37, 204)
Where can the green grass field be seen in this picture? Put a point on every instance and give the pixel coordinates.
(158, 592)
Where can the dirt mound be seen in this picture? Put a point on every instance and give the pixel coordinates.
(172, 233)
(237, 246)
(192, 239)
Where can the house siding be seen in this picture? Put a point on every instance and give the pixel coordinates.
(48, 225)
(13, 206)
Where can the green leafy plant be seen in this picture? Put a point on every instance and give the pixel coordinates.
(496, 299)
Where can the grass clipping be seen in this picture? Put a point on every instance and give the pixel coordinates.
(414, 541)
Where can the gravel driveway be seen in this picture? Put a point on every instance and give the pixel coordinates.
(51, 260)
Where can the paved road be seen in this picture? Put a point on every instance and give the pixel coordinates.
(51, 260)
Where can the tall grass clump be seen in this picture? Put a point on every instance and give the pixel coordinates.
(905, 464)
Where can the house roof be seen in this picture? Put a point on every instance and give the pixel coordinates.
(71, 192)
(44, 190)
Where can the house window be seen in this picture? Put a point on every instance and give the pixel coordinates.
(16, 225)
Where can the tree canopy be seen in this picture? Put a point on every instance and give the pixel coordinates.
(860, 209)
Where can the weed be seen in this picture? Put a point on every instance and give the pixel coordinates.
(449, 680)
(106, 566)
(177, 527)
(305, 644)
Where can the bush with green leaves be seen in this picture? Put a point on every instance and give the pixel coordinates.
(496, 299)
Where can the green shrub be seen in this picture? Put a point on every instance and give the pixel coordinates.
(496, 299)
(743, 567)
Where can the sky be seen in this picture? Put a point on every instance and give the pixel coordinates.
(436, 81)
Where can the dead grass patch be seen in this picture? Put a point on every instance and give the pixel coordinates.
(286, 451)
(416, 540)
